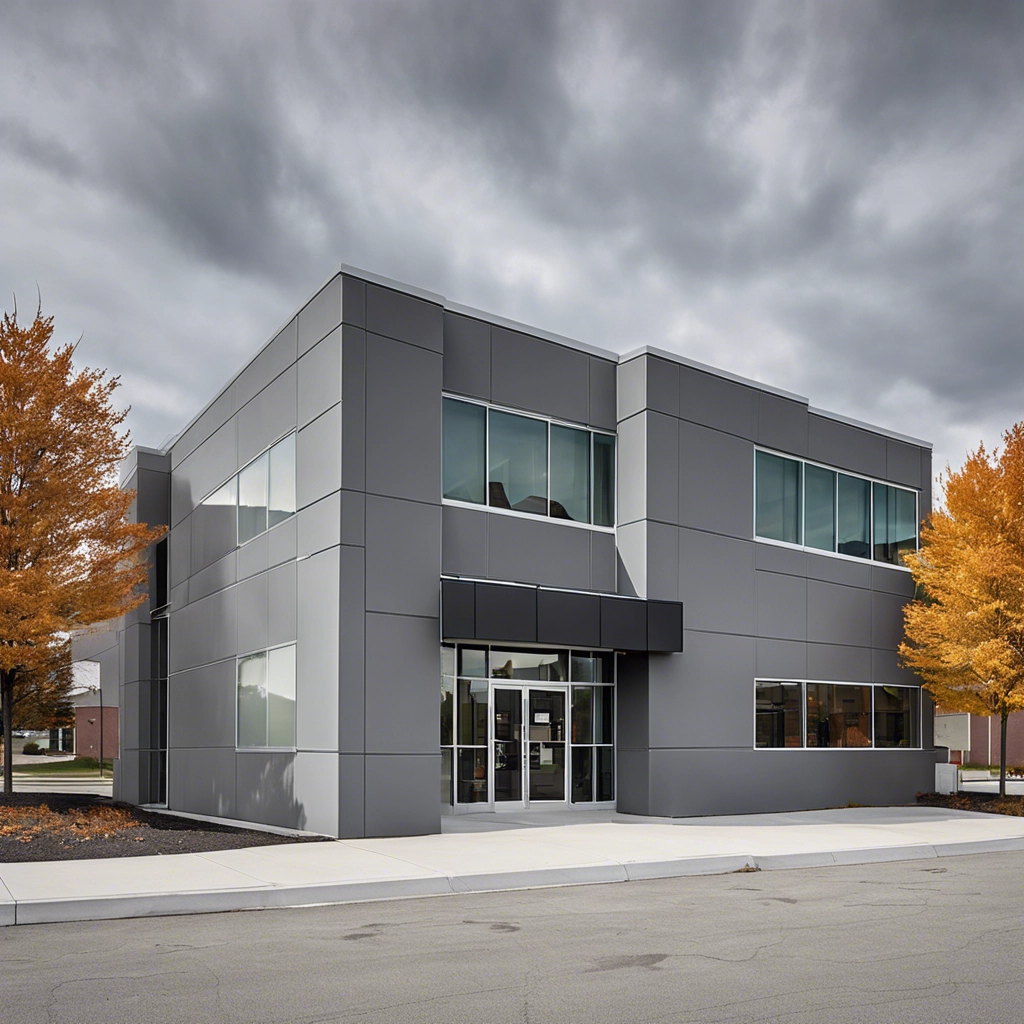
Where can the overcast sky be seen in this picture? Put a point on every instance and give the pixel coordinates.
(826, 196)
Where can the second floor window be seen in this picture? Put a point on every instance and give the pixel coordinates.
(526, 464)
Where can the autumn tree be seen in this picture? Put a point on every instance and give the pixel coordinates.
(69, 557)
(965, 631)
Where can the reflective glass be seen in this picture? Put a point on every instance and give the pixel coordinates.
(896, 717)
(447, 710)
(447, 660)
(583, 714)
(473, 662)
(472, 780)
(252, 500)
(472, 712)
(547, 771)
(838, 716)
(604, 480)
(446, 777)
(777, 715)
(582, 775)
(605, 775)
(570, 474)
(604, 714)
(252, 701)
(778, 498)
(820, 508)
(508, 744)
(282, 481)
(463, 448)
(854, 516)
(592, 668)
(281, 697)
(518, 472)
(547, 666)
(895, 523)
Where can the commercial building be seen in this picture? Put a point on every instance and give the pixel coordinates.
(423, 560)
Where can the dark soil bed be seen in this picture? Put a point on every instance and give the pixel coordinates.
(990, 803)
(48, 826)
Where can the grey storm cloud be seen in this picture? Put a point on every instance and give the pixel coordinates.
(826, 196)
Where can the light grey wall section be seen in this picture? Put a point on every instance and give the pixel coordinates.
(267, 417)
(401, 556)
(201, 706)
(318, 458)
(213, 462)
(202, 780)
(316, 680)
(319, 378)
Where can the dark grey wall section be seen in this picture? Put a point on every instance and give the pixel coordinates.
(463, 541)
(506, 613)
(568, 619)
(538, 552)
(395, 314)
(467, 356)
(782, 424)
(458, 609)
(602, 393)
(540, 376)
(718, 403)
(846, 447)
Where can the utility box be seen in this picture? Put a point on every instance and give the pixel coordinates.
(947, 779)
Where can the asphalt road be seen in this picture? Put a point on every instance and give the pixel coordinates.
(921, 941)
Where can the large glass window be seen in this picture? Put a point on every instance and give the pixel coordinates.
(544, 666)
(570, 474)
(266, 698)
(838, 716)
(895, 523)
(252, 499)
(778, 715)
(504, 460)
(464, 446)
(518, 470)
(896, 716)
(819, 508)
(854, 516)
(778, 498)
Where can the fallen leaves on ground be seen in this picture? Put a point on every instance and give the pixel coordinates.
(1012, 804)
(26, 823)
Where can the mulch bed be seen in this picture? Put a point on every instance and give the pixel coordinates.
(989, 803)
(48, 826)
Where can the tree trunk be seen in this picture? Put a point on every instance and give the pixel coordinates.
(7, 700)
(1002, 753)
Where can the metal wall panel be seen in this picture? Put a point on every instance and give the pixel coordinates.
(352, 651)
(403, 795)
(203, 631)
(467, 356)
(403, 540)
(839, 663)
(538, 551)
(846, 447)
(320, 315)
(716, 582)
(780, 606)
(318, 458)
(268, 417)
(201, 707)
(463, 541)
(319, 525)
(838, 615)
(716, 481)
(275, 357)
(602, 393)
(353, 408)
(404, 317)
(316, 677)
(719, 403)
(782, 424)
(265, 788)
(315, 778)
(201, 780)
(282, 603)
(210, 465)
(319, 378)
(662, 562)
(252, 614)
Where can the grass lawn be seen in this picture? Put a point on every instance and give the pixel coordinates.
(80, 767)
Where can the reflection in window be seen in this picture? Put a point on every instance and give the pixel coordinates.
(282, 481)
(590, 667)
(518, 472)
(819, 508)
(895, 523)
(570, 474)
(463, 447)
(838, 716)
(778, 715)
(854, 516)
(473, 712)
(546, 666)
(266, 698)
(252, 500)
(896, 716)
(604, 480)
(778, 498)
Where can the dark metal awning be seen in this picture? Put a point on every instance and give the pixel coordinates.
(509, 613)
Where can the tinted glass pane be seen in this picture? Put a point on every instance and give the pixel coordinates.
(472, 780)
(605, 780)
(582, 714)
(570, 474)
(252, 701)
(778, 498)
(508, 744)
(448, 660)
(854, 516)
(282, 480)
(582, 775)
(473, 662)
(777, 721)
(463, 450)
(896, 716)
(547, 771)
(895, 523)
(518, 463)
(281, 697)
(446, 777)
(604, 714)
(447, 710)
(906, 520)
(548, 666)
(820, 508)
(604, 480)
(838, 716)
(252, 500)
(592, 668)
(472, 712)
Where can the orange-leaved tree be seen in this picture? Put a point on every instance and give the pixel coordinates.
(69, 557)
(965, 632)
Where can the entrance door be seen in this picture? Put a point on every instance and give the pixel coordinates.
(547, 738)
(508, 746)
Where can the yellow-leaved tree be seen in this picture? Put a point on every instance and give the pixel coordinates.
(69, 558)
(965, 631)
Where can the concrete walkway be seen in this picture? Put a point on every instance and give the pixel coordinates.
(482, 853)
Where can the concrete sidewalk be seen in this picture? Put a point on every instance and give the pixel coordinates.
(481, 853)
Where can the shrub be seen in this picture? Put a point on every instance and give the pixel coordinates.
(31, 748)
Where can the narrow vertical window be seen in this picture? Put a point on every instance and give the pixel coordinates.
(778, 498)
(820, 508)
(570, 474)
(282, 481)
(604, 480)
(463, 451)
(252, 700)
(854, 516)
(896, 716)
(281, 697)
(895, 523)
(518, 473)
(252, 500)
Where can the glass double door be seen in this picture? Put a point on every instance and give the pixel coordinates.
(529, 745)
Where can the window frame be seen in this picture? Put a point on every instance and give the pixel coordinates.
(549, 421)
(265, 651)
(803, 683)
(871, 481)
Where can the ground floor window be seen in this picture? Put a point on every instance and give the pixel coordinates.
(523, 726)
(266, 699)
(835, 715)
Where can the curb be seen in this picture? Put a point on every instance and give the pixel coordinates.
(267, 896)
